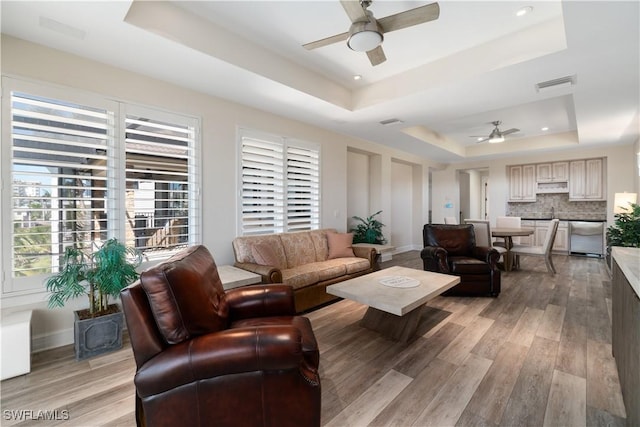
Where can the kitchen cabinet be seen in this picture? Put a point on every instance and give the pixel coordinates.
(561, 243)
(540, 227)
(586, 179)
(552, 172)
(531, 239)
(522, 183)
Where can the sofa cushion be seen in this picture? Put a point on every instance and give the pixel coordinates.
(466, 265)
(301, 276)
(242, 247)
(264, 254)
(319, 239)
(330, 269)
(340, 245)
(355, 265)
(298, 248)
(186, 296)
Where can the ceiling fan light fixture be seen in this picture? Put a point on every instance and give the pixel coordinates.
(365, 36)
(496, 139)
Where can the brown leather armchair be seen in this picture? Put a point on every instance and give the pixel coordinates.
(451, 249)
(206, 357)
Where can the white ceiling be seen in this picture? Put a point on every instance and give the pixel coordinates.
(445, 80)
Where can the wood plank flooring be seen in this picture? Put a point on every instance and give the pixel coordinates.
(538, 355)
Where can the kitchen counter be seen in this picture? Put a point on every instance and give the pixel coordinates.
(628, 259)
(625, 334)
(561, 218)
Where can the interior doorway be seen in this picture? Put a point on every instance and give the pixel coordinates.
(474, 193)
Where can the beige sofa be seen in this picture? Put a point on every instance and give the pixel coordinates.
(301, 260)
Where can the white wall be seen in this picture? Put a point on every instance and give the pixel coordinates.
(402, 207)
(220, 120)
(445, 197)
(357, 186)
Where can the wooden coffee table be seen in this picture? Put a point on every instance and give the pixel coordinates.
(394, 311)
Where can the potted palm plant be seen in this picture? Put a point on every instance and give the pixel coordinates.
(100, 275)
(369, 230)
(626, 229)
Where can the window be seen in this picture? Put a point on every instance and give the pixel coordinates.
(160, 176)
(60, 159)
(280, 184)
(76, 181)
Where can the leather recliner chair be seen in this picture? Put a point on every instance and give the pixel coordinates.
(206, 357)
(451, 249)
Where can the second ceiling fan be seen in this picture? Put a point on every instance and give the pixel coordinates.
(367, 33)
(496, 134)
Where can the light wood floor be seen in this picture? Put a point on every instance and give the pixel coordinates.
(539, 354)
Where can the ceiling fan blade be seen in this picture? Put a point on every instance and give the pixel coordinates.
(508, 131)
(486, 138)
(326, 41)
(376, 56)
(355, 12)
(409, 18)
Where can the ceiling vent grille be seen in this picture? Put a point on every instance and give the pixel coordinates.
(390, 122)
(562, 82)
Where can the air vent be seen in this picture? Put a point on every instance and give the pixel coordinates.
(391, 122)
(562, 82)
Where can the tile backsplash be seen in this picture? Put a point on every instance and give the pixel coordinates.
(562, 208)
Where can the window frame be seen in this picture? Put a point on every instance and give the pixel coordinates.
(31, 289)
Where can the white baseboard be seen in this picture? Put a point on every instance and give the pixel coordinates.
(51, 340)
(407, 248)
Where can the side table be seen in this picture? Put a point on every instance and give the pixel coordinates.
(234, 277)
(383, 251)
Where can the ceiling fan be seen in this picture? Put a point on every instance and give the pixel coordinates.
(367, 33)
(496, 134)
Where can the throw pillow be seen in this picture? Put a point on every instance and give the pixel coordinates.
(264, 254)
(340, 245)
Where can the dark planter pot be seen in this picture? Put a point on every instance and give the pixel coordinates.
(98, 335)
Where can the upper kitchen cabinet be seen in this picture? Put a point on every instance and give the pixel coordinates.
(522, 183)
(552, 172)
(587, 179)
(552, 177)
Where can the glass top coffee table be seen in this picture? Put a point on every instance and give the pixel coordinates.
(396, 297)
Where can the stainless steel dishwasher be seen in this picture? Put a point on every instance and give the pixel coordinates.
(586, 238)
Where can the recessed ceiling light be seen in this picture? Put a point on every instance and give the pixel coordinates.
(357, 77)
(544, 129)
(524, 11)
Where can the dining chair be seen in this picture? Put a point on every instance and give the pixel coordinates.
(508, 222)
(482, 229)
(541, 251)
(450, 220)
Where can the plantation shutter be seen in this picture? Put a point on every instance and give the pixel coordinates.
(303, 188)
(60, 161)
(160, 170)
(280, 184)
(262, 179)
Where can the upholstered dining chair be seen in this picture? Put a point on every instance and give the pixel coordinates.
(482, 228)
(540, 251)
(508, 222)
(450, 220)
